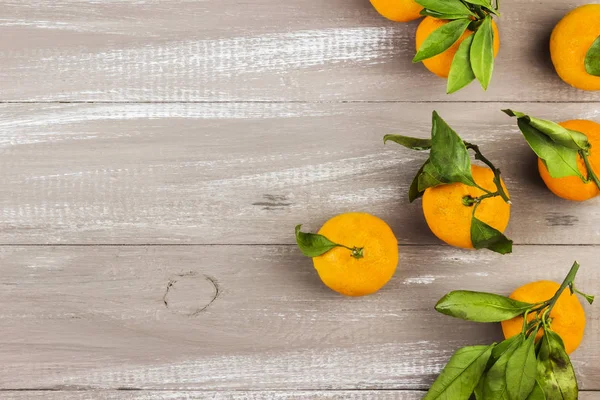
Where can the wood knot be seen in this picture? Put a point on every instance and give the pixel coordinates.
(190, 294)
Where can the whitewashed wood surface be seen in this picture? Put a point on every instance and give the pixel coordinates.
(155, 156)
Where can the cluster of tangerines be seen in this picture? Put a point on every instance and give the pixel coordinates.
(468, 206)
(573, 40)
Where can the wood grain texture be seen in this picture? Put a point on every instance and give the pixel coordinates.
(205, 395)
(250, 317)
(231, 50)
(248, 173)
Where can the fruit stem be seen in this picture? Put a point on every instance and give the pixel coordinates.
(356, 252)
(591, 175)
(479, 156)
(566, 283)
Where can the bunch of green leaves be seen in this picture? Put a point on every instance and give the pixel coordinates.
(517, 368)
(449, 162)
(558, 147)
(314, 245)
(475, 55)
(592, 58)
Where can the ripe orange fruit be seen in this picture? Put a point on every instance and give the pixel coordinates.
(450, 220)
(351, 276)
(398, 10)
(440, 64)
(572, 187)
(570, 41)
(567, 316)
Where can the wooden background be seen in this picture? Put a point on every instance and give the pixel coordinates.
(155, 156)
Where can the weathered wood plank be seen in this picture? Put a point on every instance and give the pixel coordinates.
(250, 317)
(248, 173)
(222, 395)
(180, 50)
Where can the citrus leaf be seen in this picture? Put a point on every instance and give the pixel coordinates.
(449, 7)
(311, 244)
(521, 370)
(439, 15)
(495, 386)
(592, 58)
(462, 373)
(560, 135)
(482, 52)
(414, 192)
(441, 39)
(429, 177)
(483, 3)
(560, 160)
(409, 142)
(449, 155)
(537, 393)
(555, 371)
(478, 392)
(461, 73)
(484, 236)
(480, 307)
(503, 347)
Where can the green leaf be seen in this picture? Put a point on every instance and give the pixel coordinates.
(483, 3)
(480, 307)
(495, 385)
(462, 373)
(478, 392)
(441, 39)
(521, 370)
(482, 52)
(311, 244)
(558, 134)
(439, 15)
(592, 58)
(461, 73)
(414, 192)
(555, 371)
(503, 347)
(537, 392)
(484, 236)
(449, 7)
(449, 156)
(409, 142)
(430, 177)
(561, 161)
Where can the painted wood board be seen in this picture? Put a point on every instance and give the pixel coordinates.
(236, 395)
(251, 317)
(232, 50)
(248, 173)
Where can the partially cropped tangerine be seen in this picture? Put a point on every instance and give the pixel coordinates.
(569, 43)
(450, 219)
(347, 274)
(567, 316)
(398, 10)
(440, 64)
(572, 187)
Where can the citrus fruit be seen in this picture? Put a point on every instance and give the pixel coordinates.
(398, 10)
(440, 64)
(567, 316)
(572, 187)
(344, 273)
(450, 220)
(570, 41)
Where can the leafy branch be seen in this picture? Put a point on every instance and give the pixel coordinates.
(449, 162)
(474, 58)
(558, 147)
(517, 368)
(314, 245)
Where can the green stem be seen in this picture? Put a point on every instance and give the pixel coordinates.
(591, 175)
(525, 323)
(357, 252)
(566, 283)
(497, 181)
